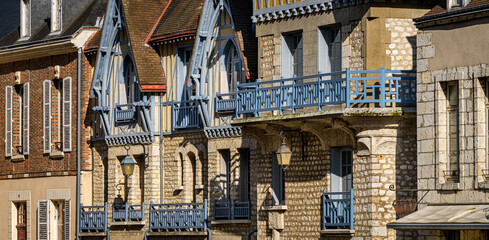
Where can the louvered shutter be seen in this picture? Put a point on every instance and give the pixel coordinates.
(47, 115)
(298, 58)
(43, 220)
(8, 121)
(66, 218)
(336, 50)
(286, 57)
(323, 53)
(25, 120)
(67, 114)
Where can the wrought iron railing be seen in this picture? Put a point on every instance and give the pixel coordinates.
(367, 88)
(127, 213)
(93, 218)
(125, 112)
(185, 114)
(239, 210)
(337, 210)
(178, 217)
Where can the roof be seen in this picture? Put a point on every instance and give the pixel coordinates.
(441, 7)
(140, 16)
(445, 217)
(86, 16)
(248, 43)
(180, 19)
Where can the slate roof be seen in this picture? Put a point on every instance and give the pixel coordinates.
(181, 18)
(86, 16)
(141, 16)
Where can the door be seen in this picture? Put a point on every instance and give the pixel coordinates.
(341, 170)
(21, 221)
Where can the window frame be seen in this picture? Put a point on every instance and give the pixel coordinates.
(449, 110)
(56, 16)
(25, 19)
(291, 43)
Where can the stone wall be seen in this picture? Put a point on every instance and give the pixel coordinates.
(402, 47)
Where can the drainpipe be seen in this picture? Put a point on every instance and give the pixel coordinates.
(78, 140)
(161, 148)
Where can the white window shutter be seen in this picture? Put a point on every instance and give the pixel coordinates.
(286, 57)
(67, 218)
(25, 120)
(8, 121)
(323, 47)
(47, 115)
(43, 220)
(67, 114)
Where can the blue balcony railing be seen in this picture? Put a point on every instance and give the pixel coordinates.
(226, 102)
(127, 213)
(337, 210)
(125, 112)
(185, 114)
(353, 88)
(178, 217)
(93, 218)
(239, 210)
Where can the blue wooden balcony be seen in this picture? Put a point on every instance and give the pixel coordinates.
(125, 113)
(93, 218)
(337, 210)
(127, 213)
(178, 217)
(185, 114)
(356, 89)
(224, 208)
(226, 102)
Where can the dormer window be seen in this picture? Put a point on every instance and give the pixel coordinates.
(25, 18)
(55, 16)
(457, 4)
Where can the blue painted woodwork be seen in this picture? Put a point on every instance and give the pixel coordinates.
(178, 217)
(186, 114)
(346, 87)
(93, 218)
(225, 102)
(337, 209)
(129, 213)
(224, 208)
(242, 210)
(125, 113)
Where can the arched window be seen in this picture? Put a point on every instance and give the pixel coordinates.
(128, 84)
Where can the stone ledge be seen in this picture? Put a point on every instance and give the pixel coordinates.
(57, 155)
(183, 233)
(92, 234)
(448, 186)
(132, 223)
(178, 188)
(17, 158)
(483, 185)
(275, 208)
(338, 232)
(232, 221)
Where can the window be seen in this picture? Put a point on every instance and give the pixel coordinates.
(63, 122)
(457, 4)
(452, 172)
(21, 224)
(233, 68)
(17, 120)
(224, 176)
(278, 183)
(56, 15)
(25, 18)
(127, 85)
(53, 220)
(184, 57)
(244, 175)
(329, 46)
(292, 64)
(341, 169)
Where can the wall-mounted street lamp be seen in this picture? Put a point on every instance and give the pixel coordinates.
(283, 153)
(127, 163)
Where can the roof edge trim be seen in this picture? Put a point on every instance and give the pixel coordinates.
(148, 38)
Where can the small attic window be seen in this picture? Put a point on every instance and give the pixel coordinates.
(25, 19)
(56, 10)
(457, 4)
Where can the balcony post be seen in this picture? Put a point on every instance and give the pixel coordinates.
(347, 87)
(127, 212)
(105, 217)
(142, 211)
(324, 210)
(351, 208)
(281, 95)
(293, 94)
(319, 91)
(79, 217)
(382, 87)
(229, 209)
(236, 99)
(205, 214)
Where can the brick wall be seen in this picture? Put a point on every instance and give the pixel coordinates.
(35, 71)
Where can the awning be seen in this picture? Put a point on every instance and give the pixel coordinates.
(445, 217)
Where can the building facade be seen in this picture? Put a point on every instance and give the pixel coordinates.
(45, 75)
(452, 123)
